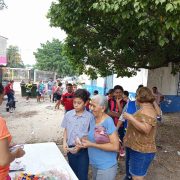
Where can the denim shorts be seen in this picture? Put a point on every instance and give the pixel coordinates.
(138, 162)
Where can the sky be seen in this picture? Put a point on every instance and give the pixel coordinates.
(25, 25)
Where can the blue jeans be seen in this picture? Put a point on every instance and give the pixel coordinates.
(79, 163)
(121, 132)
(10, 97)
(137, 163)
(104, 174)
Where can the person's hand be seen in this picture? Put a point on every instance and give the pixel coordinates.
(155, 103)
(86, 143)
(118, 101)
(19, 153)
(65, 148)
(73, 150)
(12, 144)
(127, 116)
(76, 150)
(78, 141)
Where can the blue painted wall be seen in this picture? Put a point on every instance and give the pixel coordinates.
(171, 104)
(92, 88)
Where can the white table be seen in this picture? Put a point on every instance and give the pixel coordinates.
(43, 157)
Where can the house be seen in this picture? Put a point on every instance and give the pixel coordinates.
(168, 85)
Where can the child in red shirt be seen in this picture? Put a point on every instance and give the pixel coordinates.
(67, 98)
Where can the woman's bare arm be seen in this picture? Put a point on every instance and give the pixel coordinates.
(113, 145)
(6, 157)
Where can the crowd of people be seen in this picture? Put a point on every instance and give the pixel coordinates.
(98, 129)
(112, 127)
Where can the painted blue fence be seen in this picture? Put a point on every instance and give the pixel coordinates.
(171, 104)
(92, 88)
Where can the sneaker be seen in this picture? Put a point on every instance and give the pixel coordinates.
(11, 111)
(122, 152)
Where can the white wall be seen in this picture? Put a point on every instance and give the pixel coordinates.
(100, 82)
(84, 79)
(3, 45)
(164, 80)
(131, 84)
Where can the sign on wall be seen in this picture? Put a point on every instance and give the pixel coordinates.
(3, 60)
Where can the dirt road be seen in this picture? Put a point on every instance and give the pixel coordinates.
(34, 122)
(38, 122)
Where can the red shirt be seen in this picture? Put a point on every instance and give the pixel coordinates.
(7, 89)
(112, 105)
(87, 106)
(67, 100)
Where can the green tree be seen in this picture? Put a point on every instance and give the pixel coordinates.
(14, 57)
(50, 58)
(119, 36)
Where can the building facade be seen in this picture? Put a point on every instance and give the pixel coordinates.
(3, 46)
(168, 85)
(104, 84)
(3, 55)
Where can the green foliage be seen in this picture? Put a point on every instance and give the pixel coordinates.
(14, 57)
(50, 58)
(119, 36)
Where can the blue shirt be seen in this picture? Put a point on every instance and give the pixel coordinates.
(99, 158)
(130, 108)
(76, 126)
(50, 85)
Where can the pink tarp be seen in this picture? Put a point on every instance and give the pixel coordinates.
(3, 60)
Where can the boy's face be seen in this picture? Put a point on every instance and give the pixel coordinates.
(74, 88)
(118, 93)
(110, 95)
(125, 98)
(78, 104)
(69, 89)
